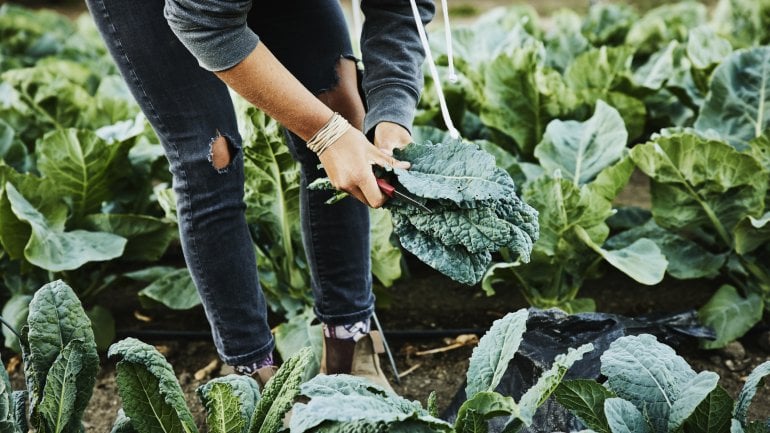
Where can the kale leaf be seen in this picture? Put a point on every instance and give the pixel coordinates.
(474, 209)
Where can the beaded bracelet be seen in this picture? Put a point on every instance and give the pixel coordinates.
(335, 128)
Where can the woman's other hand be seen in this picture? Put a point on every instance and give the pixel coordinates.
(389, 136)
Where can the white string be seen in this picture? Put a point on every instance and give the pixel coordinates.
(356, 18)
(454, 133)
(452, 77)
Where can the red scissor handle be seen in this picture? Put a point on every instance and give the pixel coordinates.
(386, 188)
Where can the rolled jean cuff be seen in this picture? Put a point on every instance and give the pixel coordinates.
(251, 357)
(344, 319)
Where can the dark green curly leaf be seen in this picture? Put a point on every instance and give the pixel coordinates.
(455, 262)
(152, 397)
(223, 408)
(20, 410)
(57, 408)
(279, 393)
(443, 171)
(56, 318)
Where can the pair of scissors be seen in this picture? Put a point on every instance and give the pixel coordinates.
(391, 191)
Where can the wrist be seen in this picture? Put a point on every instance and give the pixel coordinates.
(328, 134)
(389, 136)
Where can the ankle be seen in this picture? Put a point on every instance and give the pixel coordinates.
(353, 332)
(252, 368)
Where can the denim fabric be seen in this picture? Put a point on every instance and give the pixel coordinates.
(217, 34)
(188, 106)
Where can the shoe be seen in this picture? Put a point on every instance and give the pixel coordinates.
(361, 358)
(264, 374)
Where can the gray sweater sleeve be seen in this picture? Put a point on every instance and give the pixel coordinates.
(214, 31)
(393, 57)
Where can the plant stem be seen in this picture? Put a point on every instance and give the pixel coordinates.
(524, 288)
(11, 328)
(31, 102)
(759, 273)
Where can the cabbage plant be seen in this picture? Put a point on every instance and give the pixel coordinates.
(650, 389)
(709, 188)
(583, 167)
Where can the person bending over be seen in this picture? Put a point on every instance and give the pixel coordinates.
(293, 60)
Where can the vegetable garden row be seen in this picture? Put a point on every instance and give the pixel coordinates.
(569, 106)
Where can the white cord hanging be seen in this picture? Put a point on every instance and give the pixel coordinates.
(357, 19)
(453, 132)
(452, 76)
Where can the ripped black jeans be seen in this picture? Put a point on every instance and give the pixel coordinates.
(187, 106)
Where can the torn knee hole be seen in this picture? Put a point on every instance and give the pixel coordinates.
(346, 68)
(343, 94)
(221, 152)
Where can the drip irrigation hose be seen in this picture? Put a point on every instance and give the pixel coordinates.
(392, 335)
(401, 335)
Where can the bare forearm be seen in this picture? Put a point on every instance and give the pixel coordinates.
(263, 81)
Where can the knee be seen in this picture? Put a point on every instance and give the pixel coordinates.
(222, 152)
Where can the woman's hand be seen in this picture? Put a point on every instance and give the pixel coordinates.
(389, 136)
(348, 163)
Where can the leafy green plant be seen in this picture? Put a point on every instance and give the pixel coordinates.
(649, 388)
(584, 166)
(345, 403)
(709, 187)
(705, 191)
(60, 365)
(13, 409)
(474, 210)
(272, 198)
(78, 164)
(154, 401)
(744, 22)
(528, 99)
(468, 209)
(229, 403)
